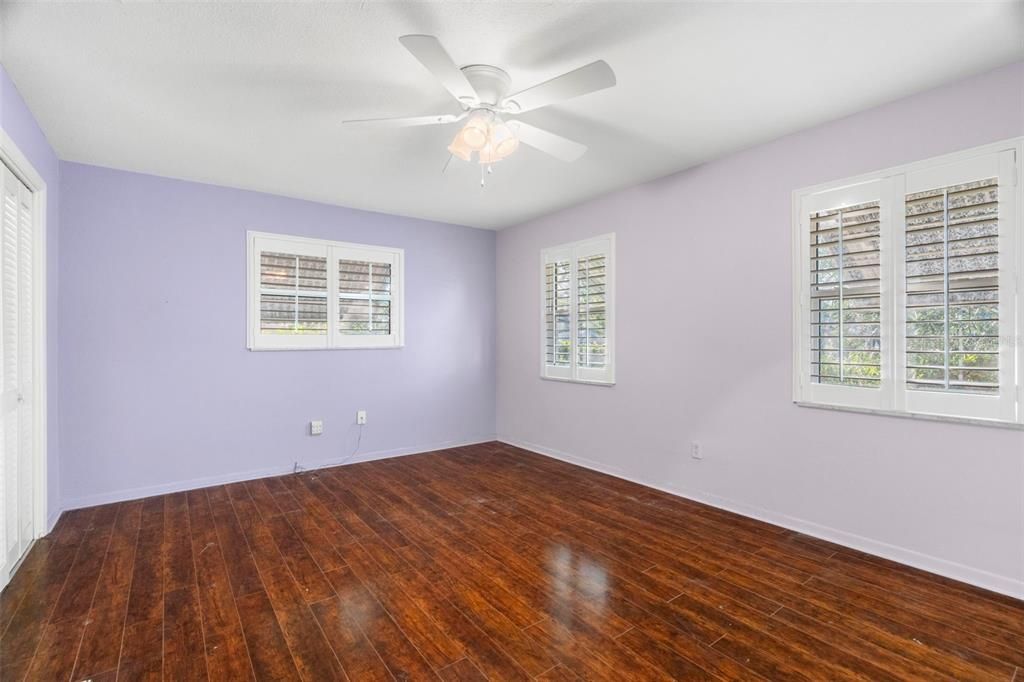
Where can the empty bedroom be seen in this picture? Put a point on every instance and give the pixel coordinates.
(512, 340)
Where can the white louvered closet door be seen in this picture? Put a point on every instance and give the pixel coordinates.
(16, 369)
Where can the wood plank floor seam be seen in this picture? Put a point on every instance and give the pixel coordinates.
(234, 604)
(631, 627)
(473, 563)
(195, 580)
(49, 612)
(397, 626)
(380, 567)
(263, 581)
(320, 625)
(92, 600)
(124, 628)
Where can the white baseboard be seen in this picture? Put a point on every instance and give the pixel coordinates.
(1007, 585)
(51, 521)
(206, 481)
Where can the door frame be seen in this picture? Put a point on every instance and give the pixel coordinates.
(12, 155)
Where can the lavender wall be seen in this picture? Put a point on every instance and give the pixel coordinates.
(704, 353)
(157, 389)
(19, 124)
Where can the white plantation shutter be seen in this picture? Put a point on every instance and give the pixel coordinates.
(558, 315)
(293, 293)
(591, 311)
(846, 329)
(957, 290)
(952, 281)
(844, 319)
(290, 278)
(364, 296)
(908, 289)
(368, 295)
(577, 286)
(309, 293)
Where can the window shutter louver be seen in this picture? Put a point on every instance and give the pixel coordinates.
(845, 296)
(364, 293)
(577, 286)
(293, 294)
(558, 297)
(590, 316)
(952, 288)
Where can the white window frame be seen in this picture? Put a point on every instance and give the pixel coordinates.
(890, 186)
(333, 251)
(572, 252)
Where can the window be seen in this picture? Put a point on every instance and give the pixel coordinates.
(907, 296)
(952, 284)
(845, 296)
(311, 293)
(577, 318)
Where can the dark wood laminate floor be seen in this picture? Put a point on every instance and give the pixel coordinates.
(482, 562)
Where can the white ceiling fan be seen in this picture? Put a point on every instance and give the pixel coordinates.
(482, 92)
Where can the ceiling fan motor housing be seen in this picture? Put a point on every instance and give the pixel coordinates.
(490, 82)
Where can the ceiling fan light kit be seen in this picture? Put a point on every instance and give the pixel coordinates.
(460, 149)
(486, 134)
(482, 92)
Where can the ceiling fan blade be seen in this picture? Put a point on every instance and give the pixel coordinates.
(406, 122)
(562, 148)
(429, 51)
(590, 78)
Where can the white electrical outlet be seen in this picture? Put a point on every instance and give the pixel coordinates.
(695, 450)
(316, 427)
(361, 417)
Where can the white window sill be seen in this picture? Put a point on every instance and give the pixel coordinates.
(578, 381)
(913, 415)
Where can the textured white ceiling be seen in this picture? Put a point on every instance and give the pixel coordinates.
(252, 95)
